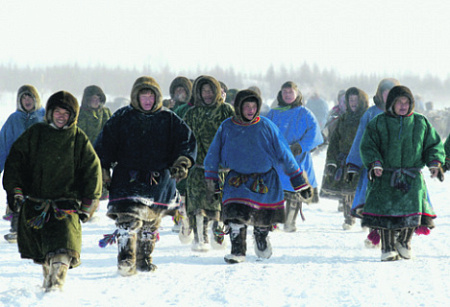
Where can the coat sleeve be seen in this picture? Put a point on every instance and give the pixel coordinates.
(370, 143)
(185, 143)
(354, 156)
(212, 159)
(107, 142)
(333, 146)
(433, 149)
(311, 137)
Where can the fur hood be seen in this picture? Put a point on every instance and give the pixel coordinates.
(385, 84)
(197, 91)
(91, 91)
(149, 83)
(243, 96)
(28, 89)
(185, 83)
(297, 102)
(395, 92)
(363, 101)
(66, 101)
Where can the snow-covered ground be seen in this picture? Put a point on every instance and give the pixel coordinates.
(319, 265)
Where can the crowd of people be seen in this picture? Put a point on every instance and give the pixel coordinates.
(214, 157)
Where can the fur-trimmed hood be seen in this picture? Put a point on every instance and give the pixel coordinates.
(197, 91)
(396, 92)
(28, 89)
(363, 101)
(241, 97)
(297, 102)
(149, 83)
(385, 84)
(66, 101)
(185, 83)
(91, 91)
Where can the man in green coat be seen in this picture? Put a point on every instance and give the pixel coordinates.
(53, 178)
(395, 146)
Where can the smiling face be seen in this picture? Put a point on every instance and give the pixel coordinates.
(249, 109)
(401, 106)
(60, 117)
(28, 102)
(207, 94)
(146, 99)
(288, 94)
(353, 102)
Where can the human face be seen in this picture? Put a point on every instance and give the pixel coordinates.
(342, 104)
(288, 94)
(249, 109)
(353, 102)
(27, 102)
(401, 106)
(94, 101)
(60, 117)
(385, 94)
(223, 93)
(180, 94)
(147, 100)
(207, 94)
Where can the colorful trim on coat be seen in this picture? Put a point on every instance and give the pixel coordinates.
(255, 205)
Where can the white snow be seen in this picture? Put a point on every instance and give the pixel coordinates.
(319, 265)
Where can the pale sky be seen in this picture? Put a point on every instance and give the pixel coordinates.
(351, 36)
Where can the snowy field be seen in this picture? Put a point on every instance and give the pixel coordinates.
(319, 265)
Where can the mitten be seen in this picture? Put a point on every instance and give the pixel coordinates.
(296, 149)
(179, 169)
(87, 209)
(437, 171)
(17, 200)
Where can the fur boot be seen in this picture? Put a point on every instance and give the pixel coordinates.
(201, 241)
(238, 236)
(46, 272)
(57, 270)
(292, 209)
(388, 251)
(403, 244)
(349, 220)
(11, 237)
(126, 259)
(145, 246)
(263, 248)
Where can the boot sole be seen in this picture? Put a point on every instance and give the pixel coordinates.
(235, 259)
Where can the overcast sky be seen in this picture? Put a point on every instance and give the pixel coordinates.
(350, 36)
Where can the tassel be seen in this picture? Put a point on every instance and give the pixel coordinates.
(237, 180)
(108, 239)
(422, 230)
(61, 214)
(38, 221)
(259, 186)
(374, 237)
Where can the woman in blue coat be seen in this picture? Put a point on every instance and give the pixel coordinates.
(251, 147)
(29, 111)
(302, 131)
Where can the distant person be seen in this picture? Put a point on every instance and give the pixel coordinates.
(53, 179)
(302, 132)
(395, 146)
(334, 185)
(223, 90)
(252, 147)
(319, 107)
(180, 92)
(332, 119)
(151, 148)
(28, 112)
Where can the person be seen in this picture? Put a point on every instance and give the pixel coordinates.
(251, 147)
(53, 179)
(93, 112)
(231, 95)
(204, 118)
(151, 148)
(181, 92)
(302, 132)
(28, 112)
(223, 90)
(333, 184)
(446, 166)
(354, 163)
(394, 148)
(332, 119)
(319, 107)
(93, 117)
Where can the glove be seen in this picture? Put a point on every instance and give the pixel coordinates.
(438, 172)
(331, 168)
(106, 178)
(296, 149)
(349, 177)
(179, 169)
(17, 200)
(371, 172)
(307, 194)
(87, 209)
